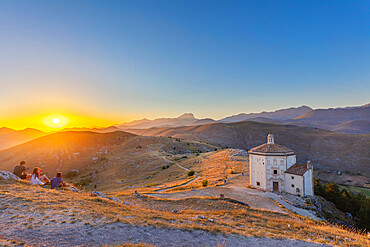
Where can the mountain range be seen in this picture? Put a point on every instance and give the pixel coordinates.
(326, 149)
(10, 137)
(351, 120)
(185, 119)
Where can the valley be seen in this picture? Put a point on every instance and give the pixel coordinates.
(190, 180)
(326, 149)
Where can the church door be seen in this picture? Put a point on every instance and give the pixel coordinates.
(275, 186)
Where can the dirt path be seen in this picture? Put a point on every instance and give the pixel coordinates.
(179, 185)
(277, 198)
(236, 189)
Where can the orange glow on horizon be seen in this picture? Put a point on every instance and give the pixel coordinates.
(56, 122)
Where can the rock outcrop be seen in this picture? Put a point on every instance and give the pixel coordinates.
(8, 176)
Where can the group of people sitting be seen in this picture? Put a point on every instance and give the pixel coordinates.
(36, 178)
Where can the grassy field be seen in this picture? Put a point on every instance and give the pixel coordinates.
(79, 209)
(355, 189)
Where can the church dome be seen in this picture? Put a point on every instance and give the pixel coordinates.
(271, 148)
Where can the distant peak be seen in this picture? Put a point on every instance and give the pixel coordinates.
(305, 106)
(187, 115)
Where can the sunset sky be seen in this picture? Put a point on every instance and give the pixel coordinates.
(99, 63)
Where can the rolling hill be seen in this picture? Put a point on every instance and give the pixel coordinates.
(10, 137)
(62, 151)
(326, 149)
(111, 161)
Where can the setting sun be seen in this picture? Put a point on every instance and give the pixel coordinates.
(56, 120)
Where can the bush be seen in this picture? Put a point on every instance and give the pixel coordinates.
(232, 172)
(71, 174)
(205, 183)
(83, 182)
(191, 173)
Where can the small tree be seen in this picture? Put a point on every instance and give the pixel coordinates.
(191, 173)
(205, 183)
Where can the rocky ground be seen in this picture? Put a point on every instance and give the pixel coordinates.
(30, 215)
(118, 233)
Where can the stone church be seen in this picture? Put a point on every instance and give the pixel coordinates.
(274, 168)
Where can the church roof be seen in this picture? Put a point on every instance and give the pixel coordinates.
(297, 169)
(271, 148)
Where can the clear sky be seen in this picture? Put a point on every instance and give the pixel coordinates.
(104, 62)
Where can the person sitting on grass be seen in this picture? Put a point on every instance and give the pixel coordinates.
(57, 181)
(20, 170)
(36, 179)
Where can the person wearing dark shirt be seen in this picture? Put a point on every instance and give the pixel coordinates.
(57, 181)
(20, 170)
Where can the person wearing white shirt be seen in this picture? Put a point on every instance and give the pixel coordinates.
(36, 179)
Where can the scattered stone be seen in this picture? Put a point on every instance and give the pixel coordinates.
(128, 203)
(222, 196)
(113, 198)
(99, 194)
(137, 194)
(175, 211)
(201, 217)
(210, 220)
(349, 215)
(8, 175)
(73, 189)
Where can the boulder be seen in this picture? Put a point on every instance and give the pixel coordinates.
(99, 194)
(8, 176)
(113, 198)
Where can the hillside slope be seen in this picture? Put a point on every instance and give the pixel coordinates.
(92, 221)
(288, 113)
(325, 149)
(346, 120)
(62, 151)
(10, 137)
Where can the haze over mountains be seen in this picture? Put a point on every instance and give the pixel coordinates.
(282, 114)
(62, 150)
(324, 148)
(10, 137)
(351, 120)
(185, 119)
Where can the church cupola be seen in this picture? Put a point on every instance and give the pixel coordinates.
(270, 139)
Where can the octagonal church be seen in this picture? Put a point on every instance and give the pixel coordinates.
(274, 168)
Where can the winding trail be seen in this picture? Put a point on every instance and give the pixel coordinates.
(182, 184)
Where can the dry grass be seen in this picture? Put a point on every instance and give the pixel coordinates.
(51, 206)
(127, 166)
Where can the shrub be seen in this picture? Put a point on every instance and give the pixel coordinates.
(232, 172)
(83, 182)
(191, 173)
(205, 183)
(71, 174)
